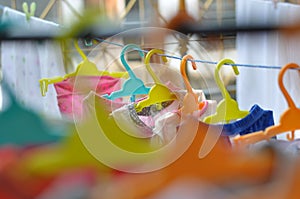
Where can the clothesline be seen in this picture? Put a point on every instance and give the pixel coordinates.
(197, 60)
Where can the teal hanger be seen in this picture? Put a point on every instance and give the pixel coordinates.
(21, 127)
(133, 85)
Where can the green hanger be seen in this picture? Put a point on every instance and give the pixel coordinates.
(227, 109)
(23, 127)
(68, 154)
(85, 68)
(27, 12)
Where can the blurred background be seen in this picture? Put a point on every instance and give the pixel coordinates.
(37, 50)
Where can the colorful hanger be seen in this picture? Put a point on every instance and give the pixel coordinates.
(28, 13)
(190, 101)
(69, 153)
(235, 165)
(85, 68)
(159, 92)
(120, 147)
(181, 18)
(20, 126)
(289, 120)
(72, 151)
(227, 108)
(132, 86)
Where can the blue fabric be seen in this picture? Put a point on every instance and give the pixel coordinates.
(257, 120)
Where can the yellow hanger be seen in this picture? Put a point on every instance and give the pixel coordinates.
(54, 159)
(227, 108)
(289, 120)
(159, 92)
(190, 101)
(85, 68)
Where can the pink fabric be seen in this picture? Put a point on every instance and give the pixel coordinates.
(68, 96)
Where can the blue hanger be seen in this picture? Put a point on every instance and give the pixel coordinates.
(133, 85)
(21, 127)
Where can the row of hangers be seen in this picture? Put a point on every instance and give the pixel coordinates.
(43, 134)
(227, 109)
(235, 164)
(288, 122)
(87, 68)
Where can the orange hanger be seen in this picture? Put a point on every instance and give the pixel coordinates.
(182, 17)
(289, 120)
(282, 182)
(190, 101)
(180, 160)
(235, 165)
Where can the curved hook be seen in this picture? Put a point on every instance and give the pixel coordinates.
(28, 13)
(147, 62)
(219, 82)
(182, 6)
(81, 53)
(123, 60)
(288, 98)
(183, 71)
(290, 137)
(282, 87)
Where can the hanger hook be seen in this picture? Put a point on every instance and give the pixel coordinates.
(219, 82)
(147, 62)
(123, 60)
(182, 6)
(183, 71)
(291, 136)
(282, 87)
(28, 13)
(81, 53)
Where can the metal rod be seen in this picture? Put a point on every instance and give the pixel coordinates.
(47, 9)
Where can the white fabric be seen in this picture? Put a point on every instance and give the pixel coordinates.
(25, 62)
(260, 86)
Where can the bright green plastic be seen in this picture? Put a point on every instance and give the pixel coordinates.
(28, 13)
(227, 109)
(159, 92)
(69, 153)
(85, 68)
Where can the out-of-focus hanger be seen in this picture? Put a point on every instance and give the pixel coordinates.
(227, 109)
(289, 120)
(132, 86)
(69, 153)
(31, 12)
(235, 165)
(159, 92)
(181, 18)
(133, 153)
(85, 68)
(22, 127)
